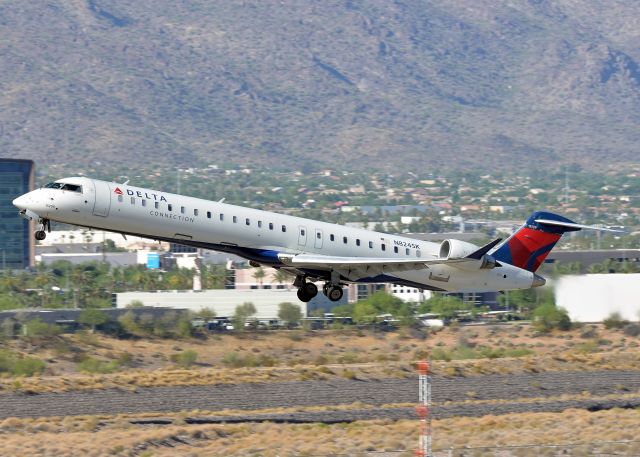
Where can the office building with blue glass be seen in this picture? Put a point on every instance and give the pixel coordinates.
(17, 245)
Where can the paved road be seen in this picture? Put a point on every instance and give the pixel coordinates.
(250, 396)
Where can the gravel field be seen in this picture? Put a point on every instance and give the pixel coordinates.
(291, 394)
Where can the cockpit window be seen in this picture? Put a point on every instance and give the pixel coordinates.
(64, 186)
(72, 188)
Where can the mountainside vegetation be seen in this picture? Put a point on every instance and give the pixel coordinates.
(468, 84)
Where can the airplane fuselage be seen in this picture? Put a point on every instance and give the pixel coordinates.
(254, 234)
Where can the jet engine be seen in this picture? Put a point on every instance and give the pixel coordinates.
(457, 250)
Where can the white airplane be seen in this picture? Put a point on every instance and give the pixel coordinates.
(309, 249)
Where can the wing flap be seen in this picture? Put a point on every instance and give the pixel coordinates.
(364, 264)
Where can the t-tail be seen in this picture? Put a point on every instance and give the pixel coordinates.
(530, 244)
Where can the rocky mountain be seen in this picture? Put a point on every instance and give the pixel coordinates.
(398, 85)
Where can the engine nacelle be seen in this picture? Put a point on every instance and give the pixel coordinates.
(456, 249)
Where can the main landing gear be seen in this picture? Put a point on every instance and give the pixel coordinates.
(308, 290)
(41, 234)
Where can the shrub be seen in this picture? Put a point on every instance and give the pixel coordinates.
(615, 320)
(92, 365)
(92, 318)
(28, 366)
(20, 366)
(632, 330)
(547, 317)
(185, 359)
(36, 328)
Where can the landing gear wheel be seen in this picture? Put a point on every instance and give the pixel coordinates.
(40, 235)
(302, 296)
(310, 289)
(335, 293)
(307, 291)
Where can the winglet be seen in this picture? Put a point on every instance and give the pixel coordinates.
(477, 255)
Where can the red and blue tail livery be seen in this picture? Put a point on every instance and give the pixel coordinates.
(529, 246)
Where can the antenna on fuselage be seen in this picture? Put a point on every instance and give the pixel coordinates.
(126, 182)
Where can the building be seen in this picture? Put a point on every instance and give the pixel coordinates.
(222, 301)
(17, 244)
(592, 298)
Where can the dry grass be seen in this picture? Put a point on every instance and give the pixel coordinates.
(98, 436)
(322, 355)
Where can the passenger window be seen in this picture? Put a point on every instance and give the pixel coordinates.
(208, 214)
(247, 221)
(417, 252)
(157, 205)
(120, 199)
(182, 209)
(371, 244)
(195, 212)
(144, 202)
(384, 246)
(408, 252)
(270, 225)
(395, 249)
(344, 239)
(169, 207)
(301, 232)
(332, 238)
(259, 224)
(133, 200)
(318, 235)
(235, 219)
(221, 217)
(284, 228)
(357, 242)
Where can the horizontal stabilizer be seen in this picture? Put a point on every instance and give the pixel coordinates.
(573, 226)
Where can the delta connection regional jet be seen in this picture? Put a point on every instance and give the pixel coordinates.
(311, 250)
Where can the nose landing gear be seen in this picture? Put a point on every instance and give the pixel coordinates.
(41, 234)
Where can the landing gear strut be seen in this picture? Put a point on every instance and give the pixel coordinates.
(332, 288)
(306, 290)
(41, 234)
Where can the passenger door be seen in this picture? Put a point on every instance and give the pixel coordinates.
(102, 202)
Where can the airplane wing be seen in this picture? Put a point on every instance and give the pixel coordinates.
(363, 266)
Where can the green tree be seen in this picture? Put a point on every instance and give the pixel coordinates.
(243, 312)
(129, 323)
(258, 275)
(548, 316)
(206, 314)
(290, 313)
(92, 317)
(364, 312)
(447, 306)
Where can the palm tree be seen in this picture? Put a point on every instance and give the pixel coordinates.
(258, 275)
(281, 276)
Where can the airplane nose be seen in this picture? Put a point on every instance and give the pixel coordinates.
(20, 202)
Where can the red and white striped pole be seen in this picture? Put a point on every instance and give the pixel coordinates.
(424, 409)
